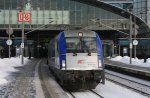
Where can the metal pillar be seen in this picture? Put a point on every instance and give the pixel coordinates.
(22, 44)
(113, 50)
(130, 39)
(134, 36)
(9, 33)
(119, 50)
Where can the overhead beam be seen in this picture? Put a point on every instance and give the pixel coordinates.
(143, 27)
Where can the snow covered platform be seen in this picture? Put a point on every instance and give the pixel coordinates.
(136, 69)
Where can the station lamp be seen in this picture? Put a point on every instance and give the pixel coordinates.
(80, 34)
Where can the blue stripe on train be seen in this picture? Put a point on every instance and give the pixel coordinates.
(99, 48)
(62, 48)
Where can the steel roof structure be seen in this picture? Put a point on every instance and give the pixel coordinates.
(143, 28)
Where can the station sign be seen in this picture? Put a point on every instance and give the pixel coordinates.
(22, 45)
(123, 42)
(27, 16)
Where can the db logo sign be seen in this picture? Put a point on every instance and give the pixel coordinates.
(27, 16)
(80, 61)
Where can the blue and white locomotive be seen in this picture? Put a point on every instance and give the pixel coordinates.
(76, 58)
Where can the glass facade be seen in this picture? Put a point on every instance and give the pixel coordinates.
(58, 13)
(140, 9)
(125, 4)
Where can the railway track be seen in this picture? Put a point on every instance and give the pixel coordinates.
(49, 88)
(88, 92)
(50, 91)
(129, 82)
(97, 94)
(72, 95)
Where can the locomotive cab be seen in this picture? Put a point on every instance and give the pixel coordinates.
(78, 61)
(81, 53)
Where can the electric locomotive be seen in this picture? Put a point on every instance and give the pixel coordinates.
(76, 58)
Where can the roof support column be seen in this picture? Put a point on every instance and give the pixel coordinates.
(130, 45)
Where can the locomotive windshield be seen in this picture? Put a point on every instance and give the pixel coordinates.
(81, 45)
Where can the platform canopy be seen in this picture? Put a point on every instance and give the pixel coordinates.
(143, 28)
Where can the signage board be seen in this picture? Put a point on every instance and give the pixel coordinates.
(123, 42)
(27, 16)
(22, 45)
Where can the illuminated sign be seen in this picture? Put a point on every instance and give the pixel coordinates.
(27, 17)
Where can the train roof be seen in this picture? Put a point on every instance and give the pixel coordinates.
(74, 33)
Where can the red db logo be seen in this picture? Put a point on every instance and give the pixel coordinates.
(80, 61)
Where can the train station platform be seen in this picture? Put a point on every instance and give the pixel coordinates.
(144, 71)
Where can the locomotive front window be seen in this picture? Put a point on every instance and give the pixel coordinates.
(81, 45)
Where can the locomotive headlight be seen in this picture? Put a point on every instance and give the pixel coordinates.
(99, 63)
(63, 64)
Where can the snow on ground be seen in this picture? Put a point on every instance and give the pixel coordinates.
(7, 65)
(111, 90)
(135, 61)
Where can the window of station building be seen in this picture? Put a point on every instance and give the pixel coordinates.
(66, 4)
(27, 26)
(14, 17)
(40, 17)
(78, 17)
(34, 17)
(2, 16)
(53, 4)
(91, 15)
(34, 5)
(2, 4)
(46, 17)
(1, 26)
(97, 13)
(104, 14)
(78, 6)
(41, 4)
(14, 4)
(59, 4)
(143, 4)
(6, 26)
(72, 17)
(13, 26)
(84, 15)
(72, 5)
(47, 4)
(7, 4)
(139, 4)
(127, 5)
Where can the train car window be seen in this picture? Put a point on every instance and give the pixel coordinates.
(89, 44)
(71, 44)
(81, 45)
